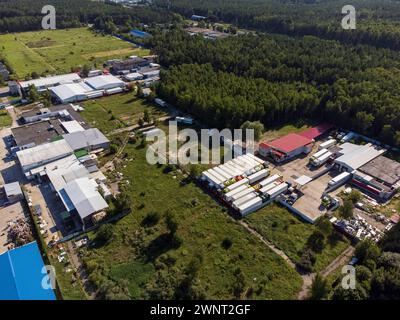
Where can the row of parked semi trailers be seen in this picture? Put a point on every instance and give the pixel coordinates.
(248, 195)
(244, 165)
(321, 157)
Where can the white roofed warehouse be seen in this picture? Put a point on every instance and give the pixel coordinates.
(43, 84)
(105, 82)
(91, 139)
(82, 196)
(74, 92)
(40, 155)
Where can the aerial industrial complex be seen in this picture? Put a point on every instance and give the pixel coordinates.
(86, 214)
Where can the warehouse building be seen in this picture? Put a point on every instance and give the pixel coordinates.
(22, 274)
(74, 92)
(37, 133)
(82, 196)
(133, 63)
(105, 82)
(63, 112)
(352, 156)
(318, 131)
(379, 177)
(42, 84)
(286, 148)
(43, 154)
(90, 140)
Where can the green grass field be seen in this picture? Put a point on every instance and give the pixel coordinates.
(5, 119)
(117, 111)
(290, 234)
(57, 51)
(141, 259)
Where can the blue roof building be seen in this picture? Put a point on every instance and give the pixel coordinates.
(140, 34)
(21, 275)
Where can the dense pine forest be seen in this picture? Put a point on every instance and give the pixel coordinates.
(377, 21)
(278, 78)
(25, 15)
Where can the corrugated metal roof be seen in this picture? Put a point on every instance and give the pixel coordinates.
(44, 152)
(103, 81)
(21, 275)
(317, 131)
(72, 126)
(288, 143)
(54, 80)
(84, 139)
(71, 90)
(85, 198)
(12, 189)
(358, 156)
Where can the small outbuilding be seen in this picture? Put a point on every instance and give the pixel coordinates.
(13, 192)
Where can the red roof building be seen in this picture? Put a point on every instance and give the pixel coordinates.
(317, 131)
(288, 143)
(286, 147)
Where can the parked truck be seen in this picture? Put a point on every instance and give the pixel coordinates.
(241, 194)
(327, 144)
(250, 206)
(258, 175)
(279, 189)
(184, 120)
(237, 203)
(230, 194)
(160, 102)
(237, 184)
(269, 180)
(341, 178)
(348, 137)
(322, 159)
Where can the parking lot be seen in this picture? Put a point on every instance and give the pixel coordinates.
(309, 203)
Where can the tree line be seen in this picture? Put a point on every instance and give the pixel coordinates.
(25, 15)
(276, 79)
(376, 20)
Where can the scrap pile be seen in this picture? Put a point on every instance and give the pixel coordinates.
(19, 232)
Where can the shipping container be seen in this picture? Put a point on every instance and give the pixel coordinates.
(339, 179)
(230, 194)
(237, 203)
(250, 206)
(274, 192)
(237, 184)
(327, 144)
(258, 175)
(269, 180)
